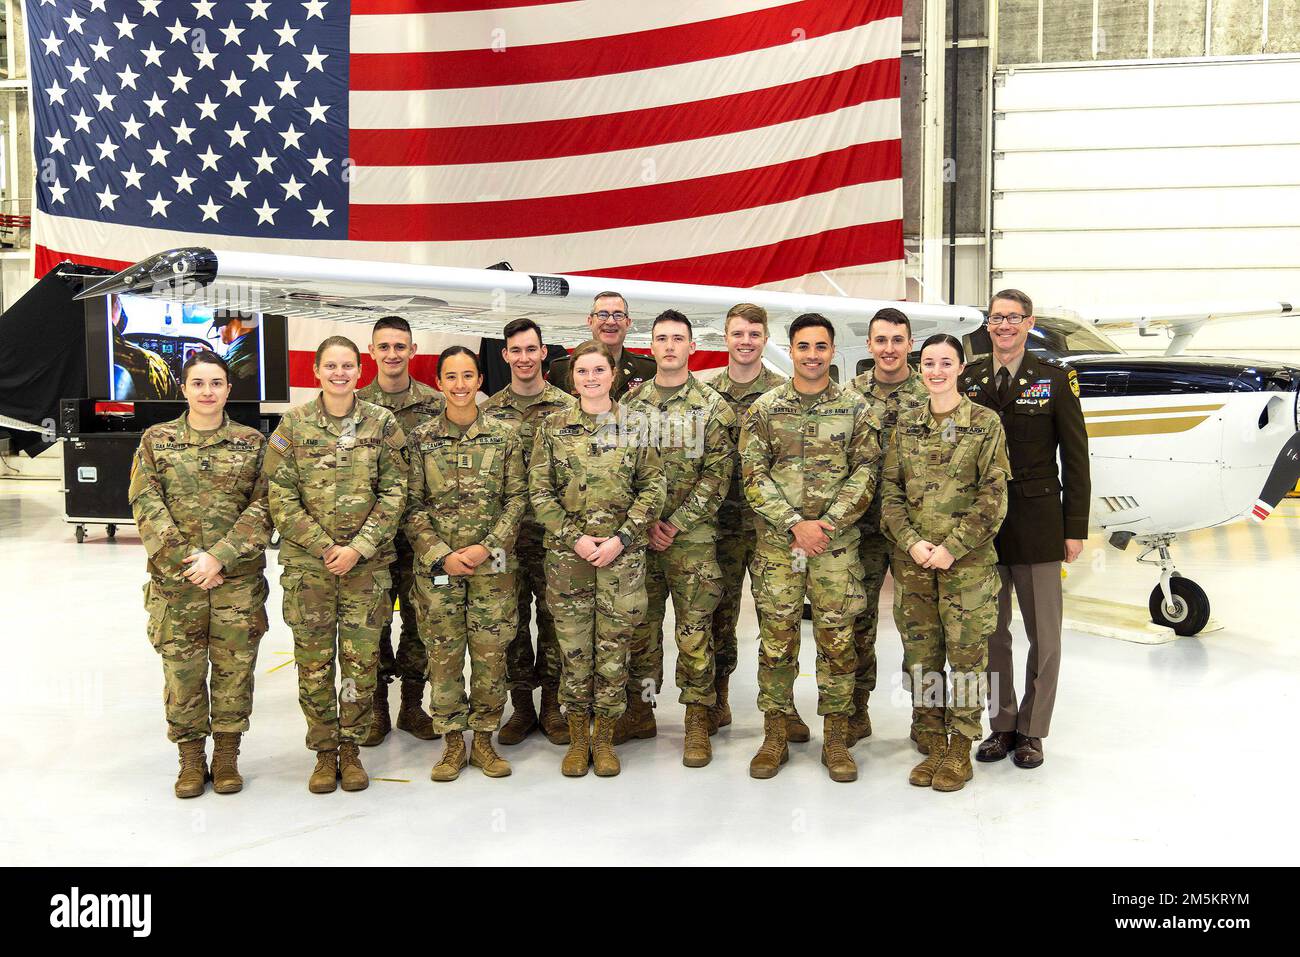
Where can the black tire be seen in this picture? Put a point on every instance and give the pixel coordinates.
(1192, 603)
(81, 534)
(112, 532)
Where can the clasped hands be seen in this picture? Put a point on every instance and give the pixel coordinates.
(931, 556)
(598, 550)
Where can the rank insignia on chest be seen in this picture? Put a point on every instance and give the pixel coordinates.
(205, 465)
(464, 460)
(1042, 389)
(809, 429)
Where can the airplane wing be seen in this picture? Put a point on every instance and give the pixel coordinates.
(457, 300)
(1181, 320)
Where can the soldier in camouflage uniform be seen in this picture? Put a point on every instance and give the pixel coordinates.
(810, 455)
(523, 404)
(200, 505)
(413, 403)
(944, 495)
(596, 487)
(891, 387)
(337, 471)
(691, 426)
(467, 495)
(745, 379)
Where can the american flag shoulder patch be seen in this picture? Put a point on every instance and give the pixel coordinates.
(279, 442)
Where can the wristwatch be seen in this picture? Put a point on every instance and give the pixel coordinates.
(626, 539)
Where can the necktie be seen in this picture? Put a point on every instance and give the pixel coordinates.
(1004, 385)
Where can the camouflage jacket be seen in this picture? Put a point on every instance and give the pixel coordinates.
(692, 431)
(332, 484)
(817, 463)
(189, 493)
(735, 510)
(946, 484)
(414, 407)
(467, 487)
(594, 475)
(887, 406)
(526, 414)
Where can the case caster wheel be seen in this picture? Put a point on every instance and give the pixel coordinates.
(112, 532)
(81, 534)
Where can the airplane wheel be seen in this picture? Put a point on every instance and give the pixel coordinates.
(1191, 604)
(80, 532)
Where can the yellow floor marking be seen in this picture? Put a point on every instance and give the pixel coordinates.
(279, 666)
(394, 780)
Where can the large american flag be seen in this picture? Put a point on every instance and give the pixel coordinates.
(732, 142)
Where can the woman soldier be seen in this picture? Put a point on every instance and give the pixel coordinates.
(200, 505)
(467, 496)
(943, 497)
(337, 486)
(596, 487)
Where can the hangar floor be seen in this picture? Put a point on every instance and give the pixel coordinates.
(1167, 754)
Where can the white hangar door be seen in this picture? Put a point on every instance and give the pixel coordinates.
(1151, 182)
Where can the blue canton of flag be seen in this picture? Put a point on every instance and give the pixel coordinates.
(210, 117)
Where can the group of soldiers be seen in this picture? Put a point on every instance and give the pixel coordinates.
(587, 501)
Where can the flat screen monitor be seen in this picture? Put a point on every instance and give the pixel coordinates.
(137, 345)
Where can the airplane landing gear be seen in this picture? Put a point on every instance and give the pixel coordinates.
(1177, 602)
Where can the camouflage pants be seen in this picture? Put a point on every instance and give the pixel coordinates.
(689, 572)
(735, 552)
(196, 630)
(409, 663)
(524, 669)
(832, 582)
(336, 618)
(874, 551)
(596, 612)
(474, 613)
(945, 616)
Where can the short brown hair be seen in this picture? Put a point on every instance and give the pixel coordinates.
(522, 324)
(893, 316)
(587, 348)
(343, 341)
(749, 312)
(1016, 296)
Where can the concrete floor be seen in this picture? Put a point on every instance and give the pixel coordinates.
(1168, 754)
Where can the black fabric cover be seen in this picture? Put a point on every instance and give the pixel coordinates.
(496, 374)
(42, 356)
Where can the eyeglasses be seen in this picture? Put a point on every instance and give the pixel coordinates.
(606, 316)
(1014, 318)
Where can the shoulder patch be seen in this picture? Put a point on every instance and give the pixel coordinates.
(1073, 378)
(279, 441)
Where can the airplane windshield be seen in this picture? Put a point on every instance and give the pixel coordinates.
(1053, 336)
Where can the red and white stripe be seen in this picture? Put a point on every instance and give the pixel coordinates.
(730, 142)
(1260, 510)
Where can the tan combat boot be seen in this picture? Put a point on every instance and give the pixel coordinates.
(325, 776)
(795, 730)
(411, 718)
(382, 722)
(697, 751)
(773, 752)
(955, 770)
(638, 721)
(553, 724)
(936, 746)
(194, 768)
(225, 763)
(835, 752)
(720, 712)
(350, 770)
(453, 758)
(522, 722)
(578, 757)
(603, 758)
(859, 721)
(483, 756)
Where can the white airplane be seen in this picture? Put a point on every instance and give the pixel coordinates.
(1176, 443)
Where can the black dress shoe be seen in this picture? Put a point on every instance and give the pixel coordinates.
(996, 746)
(1028, 753)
